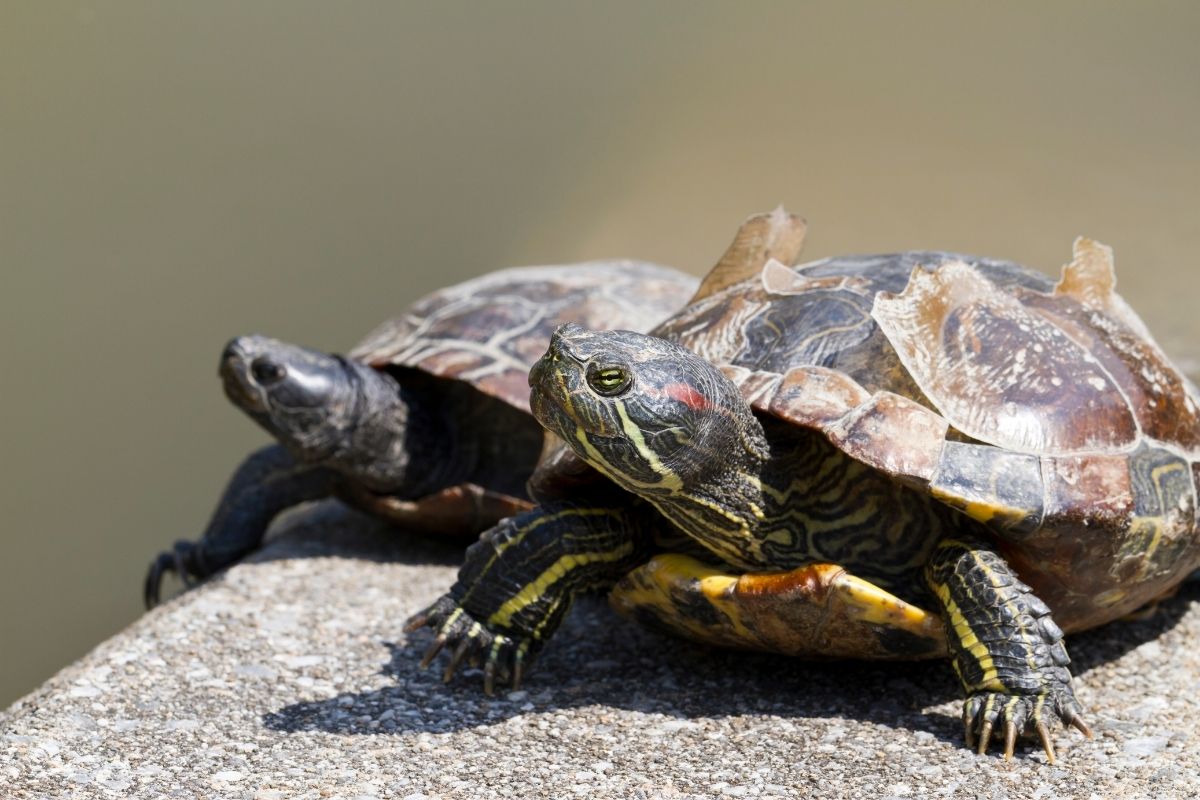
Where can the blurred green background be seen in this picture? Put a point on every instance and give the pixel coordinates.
(173, 174)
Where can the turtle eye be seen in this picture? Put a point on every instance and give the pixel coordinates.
(266, 371)
(609, 381)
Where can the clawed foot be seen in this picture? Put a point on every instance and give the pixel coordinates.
(184, 560)
(502, 654)
(988, 713)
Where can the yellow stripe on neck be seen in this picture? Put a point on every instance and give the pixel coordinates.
(669, 480)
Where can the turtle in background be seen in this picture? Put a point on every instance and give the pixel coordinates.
(426, 423)
(913, 455)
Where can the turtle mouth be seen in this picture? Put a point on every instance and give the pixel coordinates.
(240, 386)
(549, 384)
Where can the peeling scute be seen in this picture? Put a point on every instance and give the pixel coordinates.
(1091, 279)
(778, 235)
(779, 279)
(998, 372)
(1085, 307)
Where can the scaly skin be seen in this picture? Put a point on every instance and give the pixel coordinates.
(1006, 649)
(520, 578)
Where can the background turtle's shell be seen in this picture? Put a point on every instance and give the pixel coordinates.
(1044, 411)
(488, 331)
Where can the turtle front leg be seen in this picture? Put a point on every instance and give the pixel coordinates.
(1006, 649)
(267, 482)
(518, 582)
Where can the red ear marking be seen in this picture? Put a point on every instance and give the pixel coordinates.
(685, 394)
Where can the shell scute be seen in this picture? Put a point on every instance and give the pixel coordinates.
(997, 487)
(895, 435)
(999, 372)
(489, 331)
(1082, 491)
(1155, 390)
(814, 397)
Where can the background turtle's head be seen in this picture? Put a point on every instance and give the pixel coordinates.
(650, 414)
(306, 399)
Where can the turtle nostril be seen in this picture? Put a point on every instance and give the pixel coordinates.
(558, 342)
(266, 371)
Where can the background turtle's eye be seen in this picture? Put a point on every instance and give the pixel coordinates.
(266, 371)
(609, 380)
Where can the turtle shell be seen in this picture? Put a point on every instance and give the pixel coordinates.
(488, 331)
(1043, 410)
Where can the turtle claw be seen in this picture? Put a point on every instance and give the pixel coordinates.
(432, 651)
(154, 576)
(1072, 719)
(1044, 734)
(489, 678)
(184, 559)
(1010, 739)
(502, 654)
(518, 671)
(985, 736)
(1020, 715)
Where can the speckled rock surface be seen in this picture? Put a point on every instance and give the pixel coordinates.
(289, 677)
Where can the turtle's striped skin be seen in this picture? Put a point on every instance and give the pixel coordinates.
(426, 423)
(910, 455)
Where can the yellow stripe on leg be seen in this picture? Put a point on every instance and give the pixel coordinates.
(970, 643)
(536, 589)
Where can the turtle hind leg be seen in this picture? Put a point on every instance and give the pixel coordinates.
(816, 611)
(1006, 649)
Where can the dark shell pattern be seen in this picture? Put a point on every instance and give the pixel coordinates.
(489, 331)
(1043, 410)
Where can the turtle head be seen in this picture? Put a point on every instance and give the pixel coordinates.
(306, 399)
(648, 413)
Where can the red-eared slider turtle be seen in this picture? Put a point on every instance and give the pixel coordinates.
(427, 421)
(886, 434)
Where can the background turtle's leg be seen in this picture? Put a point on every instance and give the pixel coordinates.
(1005, 648)
(269, 481)
(457, 513)
(519, 580)
(818, 610)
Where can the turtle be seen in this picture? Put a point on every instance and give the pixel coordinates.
(426, 422)
(909, 455)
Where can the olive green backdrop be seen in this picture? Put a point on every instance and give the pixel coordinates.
(172, 174)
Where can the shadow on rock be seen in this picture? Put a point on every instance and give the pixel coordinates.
(330, 529)
(600, 659)
(1092, 648)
